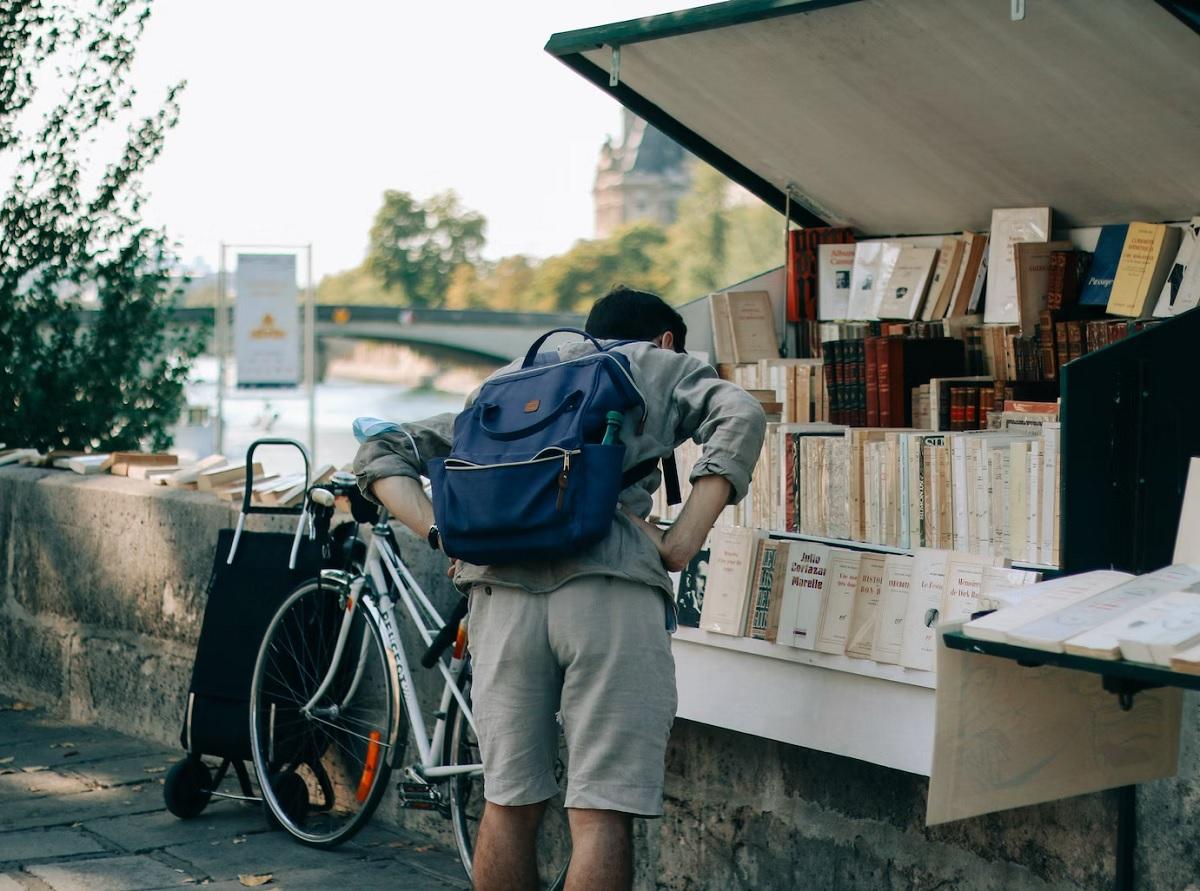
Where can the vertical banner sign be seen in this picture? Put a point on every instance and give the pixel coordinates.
(266, 321)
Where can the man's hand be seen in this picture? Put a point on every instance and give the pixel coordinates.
(679, 544)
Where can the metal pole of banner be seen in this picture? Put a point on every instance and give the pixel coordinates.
(221, 330)
(310, 357)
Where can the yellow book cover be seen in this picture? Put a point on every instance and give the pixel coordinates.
(1145, 262)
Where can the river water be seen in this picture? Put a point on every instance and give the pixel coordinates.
(252, 414)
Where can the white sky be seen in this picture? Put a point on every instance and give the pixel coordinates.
(299, 114)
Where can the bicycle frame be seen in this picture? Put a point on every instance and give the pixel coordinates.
(385, 573)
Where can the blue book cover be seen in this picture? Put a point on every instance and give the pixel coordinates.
(1104, 266)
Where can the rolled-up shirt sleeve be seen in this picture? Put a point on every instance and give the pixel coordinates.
(391, 454)
(724, 419)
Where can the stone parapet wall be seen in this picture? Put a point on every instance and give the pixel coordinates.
(102, 592)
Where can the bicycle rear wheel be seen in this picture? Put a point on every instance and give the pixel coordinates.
(467, 801)
(323, 770)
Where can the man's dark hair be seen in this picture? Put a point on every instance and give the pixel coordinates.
(626, 314)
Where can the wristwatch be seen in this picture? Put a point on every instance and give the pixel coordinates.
(434, 538)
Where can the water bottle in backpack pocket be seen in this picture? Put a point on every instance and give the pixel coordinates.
(529, 476)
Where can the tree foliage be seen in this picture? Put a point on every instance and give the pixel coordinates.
(415, 246)
(71, 235)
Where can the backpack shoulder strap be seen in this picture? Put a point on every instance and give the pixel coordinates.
(643, 469)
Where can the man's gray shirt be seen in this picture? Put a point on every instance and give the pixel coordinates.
(684, 400)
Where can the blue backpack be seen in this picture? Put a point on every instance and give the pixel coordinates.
(527, 477)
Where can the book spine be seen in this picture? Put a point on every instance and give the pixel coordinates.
(887, 383)
(983, 411)
(970, 419)
(873, 379)
(794, 313)
(1054, 280)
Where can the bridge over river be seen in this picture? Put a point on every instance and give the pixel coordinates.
(491, 335)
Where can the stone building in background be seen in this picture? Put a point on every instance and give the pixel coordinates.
(640, 178)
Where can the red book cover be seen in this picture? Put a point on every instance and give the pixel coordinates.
(872, 371)
(983, 411)
(971, 409)
(794, 313)
(957, 407)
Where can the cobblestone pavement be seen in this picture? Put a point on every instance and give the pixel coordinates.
(81, 809)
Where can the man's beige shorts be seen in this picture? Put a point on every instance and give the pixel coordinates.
(597, 648)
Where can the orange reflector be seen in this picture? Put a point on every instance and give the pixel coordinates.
(349, 604)
(460, 642)
(369, 768)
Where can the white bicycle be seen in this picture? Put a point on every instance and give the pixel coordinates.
(332, 701)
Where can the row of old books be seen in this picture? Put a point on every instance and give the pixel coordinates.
(812, 596)
(793, 389)
(1153, 618)
(1013, 272)
(993, 491)
(214, 474)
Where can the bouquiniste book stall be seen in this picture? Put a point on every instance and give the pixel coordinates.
(1019, 178)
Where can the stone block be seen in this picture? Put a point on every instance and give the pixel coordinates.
(33, 659)
(139, 687)
(127, 873)
(45, 844)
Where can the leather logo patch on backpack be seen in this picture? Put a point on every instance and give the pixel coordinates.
(532, 405)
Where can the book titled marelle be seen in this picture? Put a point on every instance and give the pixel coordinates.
(731, 564)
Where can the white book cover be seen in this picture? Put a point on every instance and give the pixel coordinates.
(889, 256)
(958, 489)
(893, 607)
(902, 292)
(841, 583)
(863, 279)
(963, 588)
(1126, 637)
(1051, 631)
(1002, 579)
(730, 566)
(803, 593)
(833, 280)
(88, 464)
(1174, 297)
(1049, 488)
(1018, 500)
(1156, 638)
(1033, 527)
(926, 580)
(904, 493)
(866, 605)
(1023, 605)
(1010, 225)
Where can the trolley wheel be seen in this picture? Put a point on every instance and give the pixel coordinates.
(187, 788)
(292, 793)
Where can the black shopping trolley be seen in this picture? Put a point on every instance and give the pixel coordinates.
(253, 572)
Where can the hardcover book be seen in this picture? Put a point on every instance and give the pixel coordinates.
(1098, 285)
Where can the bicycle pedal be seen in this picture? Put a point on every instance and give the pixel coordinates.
(419, 796)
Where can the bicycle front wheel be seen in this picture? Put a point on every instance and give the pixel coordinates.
(467, 801)
(323, 761)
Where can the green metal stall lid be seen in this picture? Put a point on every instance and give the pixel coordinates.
(906, 117)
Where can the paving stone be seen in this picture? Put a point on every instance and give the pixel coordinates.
(128, 873)
(270, 852)
(126, 770)
(221, 821)
(66, 809)
(22, 784)
(44, 844)
(8, 883)
(48, 750)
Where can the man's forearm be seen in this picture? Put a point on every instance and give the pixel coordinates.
(709, 496)
(406, 501)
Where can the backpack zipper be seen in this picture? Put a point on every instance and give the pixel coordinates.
(562, 481)
(519, 372)
(564, 454)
